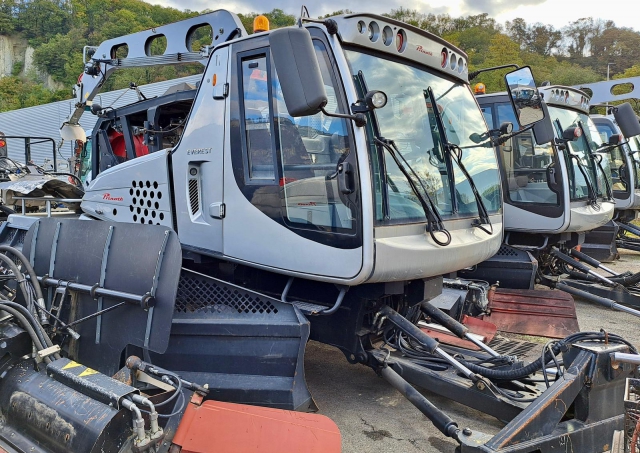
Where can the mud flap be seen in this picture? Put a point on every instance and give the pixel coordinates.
(511, 267)
(545, 313)
(601, 243)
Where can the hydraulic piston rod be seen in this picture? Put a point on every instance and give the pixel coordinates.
(439, 419)
(597, 299)
(591, 261)
(578, 265)
(428, 343)
(454, 326)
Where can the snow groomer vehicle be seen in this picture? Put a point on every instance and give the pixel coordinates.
(324, 179)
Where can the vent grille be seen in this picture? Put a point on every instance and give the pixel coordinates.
(507, 251)
(194, 196)
(522, 349)
(21, 235)
(197, 294)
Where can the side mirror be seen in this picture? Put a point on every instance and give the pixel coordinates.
(627, 120)
(571, 133)
(543, 130)
(525, 98)
(298, 70)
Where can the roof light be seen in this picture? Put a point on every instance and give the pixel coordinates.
(387, 36)
(444, 57)
(260, 24)
(480, 88)
(401, 41)
(374, 31)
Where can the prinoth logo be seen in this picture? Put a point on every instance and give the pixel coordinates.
(107, 196)
(422, 50)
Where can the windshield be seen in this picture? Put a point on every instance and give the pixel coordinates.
(616, 154)
(408, 119)
(634, 146)
(578, 153)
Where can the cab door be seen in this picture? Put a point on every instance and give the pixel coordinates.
(287, 209)
(198, 162)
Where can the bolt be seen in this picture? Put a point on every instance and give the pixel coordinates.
(467, 432)
(480, 385)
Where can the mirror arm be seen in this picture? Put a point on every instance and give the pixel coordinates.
(359, 119)
(360, 107)
(502, 139)
(474, 74)
(330, 24)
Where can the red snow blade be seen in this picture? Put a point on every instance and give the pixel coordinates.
(541, 313)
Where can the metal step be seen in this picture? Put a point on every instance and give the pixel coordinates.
(308, 308)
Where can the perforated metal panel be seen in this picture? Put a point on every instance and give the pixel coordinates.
(505, 250)
(145, 205)
(197, 293)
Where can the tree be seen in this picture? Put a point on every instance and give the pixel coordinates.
(620, 46)
(502, 50)
(536, 38)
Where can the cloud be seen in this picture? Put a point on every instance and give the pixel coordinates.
(496, 7)
(293, 6)
(501, 10)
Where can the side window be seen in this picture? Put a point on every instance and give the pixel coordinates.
(310, 150)
(257, 129)
(488, 116)
(526, 164)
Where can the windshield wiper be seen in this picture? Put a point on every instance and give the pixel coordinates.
(592, 194)
(598, 160)
(456, 154)
(435, 223)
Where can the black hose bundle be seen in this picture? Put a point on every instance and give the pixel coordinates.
(549, 353)
(21, 314)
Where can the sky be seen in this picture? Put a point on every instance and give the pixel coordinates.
(625, 13)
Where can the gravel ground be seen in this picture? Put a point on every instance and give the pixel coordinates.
(372, 416)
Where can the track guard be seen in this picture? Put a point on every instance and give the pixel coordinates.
(601, 243)
(248, 347)
(512, 267)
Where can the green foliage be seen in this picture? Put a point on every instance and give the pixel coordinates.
(18, 66)
(17, 93)
(58, 30)
(277, 19)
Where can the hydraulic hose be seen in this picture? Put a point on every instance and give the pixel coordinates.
(28, 327)
(17, 274)
(44, 338)
(28, 267)
(628, 280)
(537, 365)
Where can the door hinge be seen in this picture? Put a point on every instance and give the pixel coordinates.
(221, 91)
(217, 210)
